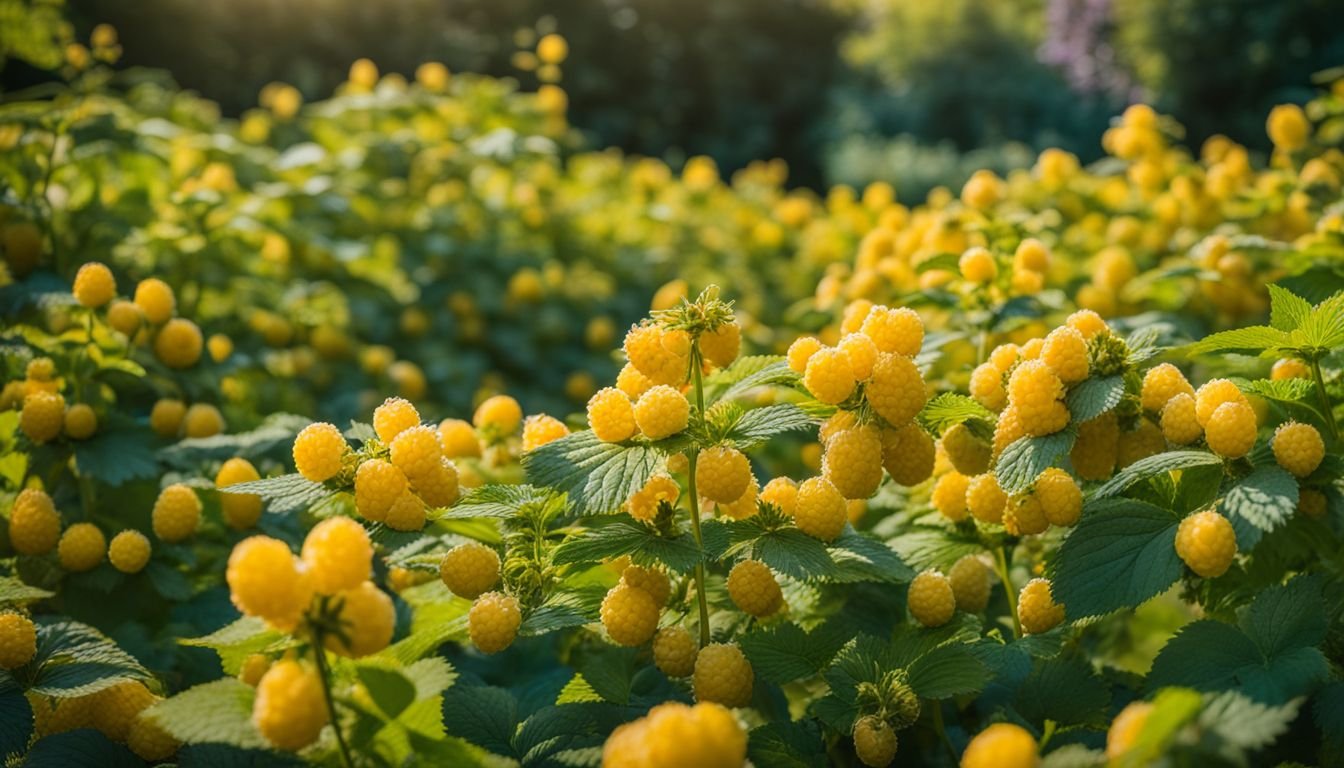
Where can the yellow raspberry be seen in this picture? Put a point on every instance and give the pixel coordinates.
(1125, 729)
(723, 676)
(984, 499)
(629, 614)
(931, 599)
(393, 417)
(265, 581)
(18, 640)
(673, 735)
(43, 416)
(1024, 516)
(439, 487)
(155, 300)
(81, 547)
(853, 462)
(820, 510)
(1230, 430)
(241, 510)
(552, 49)
(253, 667)
(874, 741)
(983, 190)
(722, 345)
(338, 555)
(34, 524)
(1037, 610)
(801, 351)
(1060, 497)
(950, 495)
(1288, 127)
(1088, 323)
(94, 285)
(1144, 441)
(968, 453)
(129, 551)
(166, 417)
(829, 376)
(611, 415)
(851, 321)
(177, 513)
(970, 584)
(745, 505)
(116, 707)
(632, 382)
(407, 513)
(908, 454)
(662, 411)
(1160, 384)
(470, 569)
(1008, 430)
(149, 740)
(1289, 368)
(1065, 352)
(674, 652)
(40, 369)
(58, 715)
(290, 709)
(722, 474)
(1312, 503)
(658, 354)
(643, 504)
(1004, 357)
(862, 354)
(1001, 745)
(125, 317)
(179, 343)
(494, 620)
(1207, 543)
(1032, 255)
(378, 485)
(651, 580)
(1037, 396)
(80, 422)
(987, 387)
(540, 429)
(1179, 423)
(417, 452)
(1032, 349)
(367, 619)
(896, 390)
(1096, 450)
(781, 492)
(897, 331)
(1214, 393)
(1298, 448)
(754, 590)
(457, 438)
(319, 450)
(838, 422)
(500, 414)
(977, 265)
(219, 346)
(202, 420)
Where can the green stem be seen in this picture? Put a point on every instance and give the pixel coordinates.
(1001, 567)
(324, 672)
(942, 730)
(700, 598)
(1327, 410)
(1048, 734)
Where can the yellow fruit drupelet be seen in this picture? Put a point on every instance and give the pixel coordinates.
(1096, 450)
(1214, 393)
(970, 584)
(853, 462)
(378, 485)
(1160, 384)
(1179, 423)
(662, 356)
(179, 343)
(1230, 431)
(202, 420)
(829, 376)
(977, 265)
(987, 387)
(417, 452)
(1207, 543)
(1088, 323)
(722, 345)
(611, 415)
(124, 317)
(252, 669)
(149, 741)
(968, 453)
(129, 551)
(781, 492)
(1060, 497)
(632, 382)
(407, 513)
(950, 496)
(265, 581)
(801, 351)
(820, 510)
(367, 619)
(493, 621)
(662, 411)
(43, 416)
(931, 599)
(650, 580)
(1125, 728)
(155, 300)
(1036, 395)
(394, 416)
(81, 547)
(94, 285)
(898, 331)
(290, 709)
(1065, 352)
(673, 735)
(723, 676)
(500, 414)
(241, 510)
(674, 652)
(34, 523)
(722, 474)
(177, 513)
(908, 454)
(166, 417)
(874, 742)
(338, 555)
(319, 450)
(470, 569)
(754, 589)
(629, 615)
(1298, 448)
(985, 499)
(896, 390)
(1024, 516)
(1036, 608)
(458, 439)
(643, 504)
(1001, 745)
(540, 429)
(862, 354)
(1289, 368)
(18, 640)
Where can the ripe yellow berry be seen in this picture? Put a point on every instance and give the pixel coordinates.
(1037, 396)
(838, 422)
(662, 411)
(723, 676)
(1001, 745)
(897, 331)
(129, 551)
(1179, 423)
(494, 620)
(1214, 393)
(745, 505)
(977, 265)
(40, 369)
(753, 588)
(1065, 352)
(643, 504)
(781, 492)
(896, 390)
(1036, 608)
(1288, 127)
(1289, 368)
(81, 547)
(970, 584)
(855, 313)
(1230, 430)
(219, 346)
(114, 708)
(987, 386)
(43, 416)
(177, 513)
(874, 740)
(984, 499)
(438, 487)
(393, 417)
(820, 510)
(166, 417)
(1144, 441)
(950, 495)
(931, 599)
(722, 474)
(674, 652)
(1031, 350)
(149, 740)
(94, 285)
(34, 524)
(500, 414)
(611, 415)
(1031, 254)
(673, 735)
(1097, 448)
(661, 355)
(801, 351)
(265, 580)
(650, 580)
(969, 454)
(407, 513)
(1207, 543)
(18, 640)
(1007, 431)
(80, 422)
(1088, 323)
(338, 555)
(458, 439)
(1125, 728)
(319, 450)
(1298, 448)
(540, 429)
(417, 452)
(722, 345)
(367, 619)
(1024, 516)
(983, 190)
(253, 667)
(241, 510)
(179, 343)
(908, 454)
(629, 614)
(1160, 384)
(862, 354)
(155, 300)
(1060, 497)
(290, 709)
(378, 485)
(829, 375)
(124, 317)
(202, 420)
(470, 569)
(853, 462)
(632, 382)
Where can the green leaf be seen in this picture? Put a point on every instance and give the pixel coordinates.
(1283, 390)
(1328, 712)
(947, 671)
(612, 537)
(1287, 311)
(598, 476)
(285, 493)
(950, 408)
(83, 748)
(746, 374)
(1074, 756)
(934, 547)
(1151, 466)
(1324, 328)
(787, 745)
(277, 429)
(495, 500)
(1172, 710)
(1261, 502)
(1122, 553)
(483, 715)
(553, 735)
(1066, 691)
(1094, 396)
(792, 553)
(1286, 617)
(1243, 724)
(16, 717)
(610, 672)
(389, 688)
(218, 712)
(562, 610)
(862, 558)
(946, 262)
(74, 659)
(1026, 458)
(760, 424)
(115, 457)
(1251, 340)
(783, 653)
(15, 592)
(236, 641)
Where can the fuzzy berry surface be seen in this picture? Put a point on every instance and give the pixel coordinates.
(470, 569)
(1207, 543)
(493, 621)
(722, 675)
(931, 599)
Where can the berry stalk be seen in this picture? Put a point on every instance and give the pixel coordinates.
(700, 598)
(1326, 409)
(1001, 567)
(324, 672)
